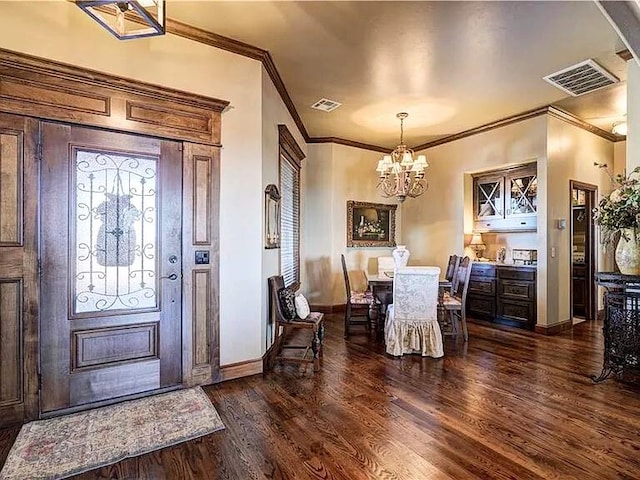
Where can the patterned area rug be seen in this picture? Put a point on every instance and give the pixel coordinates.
(72, 444)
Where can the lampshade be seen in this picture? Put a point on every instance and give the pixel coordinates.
(476, 239)
(127, 19)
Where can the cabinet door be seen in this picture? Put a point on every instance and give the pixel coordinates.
(481, 306)
(522, 193)
(488, 197)
(516, 312)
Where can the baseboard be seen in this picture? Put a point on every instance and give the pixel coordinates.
(241, 369)
(555, 328)
(339, 308)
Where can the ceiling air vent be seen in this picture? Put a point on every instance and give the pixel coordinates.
(581, 78)
(326, 105)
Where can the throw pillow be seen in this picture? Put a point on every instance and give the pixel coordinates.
(302, 306)
(287, 303)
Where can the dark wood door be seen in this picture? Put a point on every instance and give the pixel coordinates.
(111, 266)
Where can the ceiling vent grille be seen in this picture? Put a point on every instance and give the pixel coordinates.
(581, 78)
(326, 105)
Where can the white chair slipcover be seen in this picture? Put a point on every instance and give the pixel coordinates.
(411, 325)
(385, 264)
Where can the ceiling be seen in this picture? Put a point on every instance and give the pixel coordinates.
(451, 65)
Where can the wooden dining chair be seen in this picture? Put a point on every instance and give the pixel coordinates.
(452, 266)
(313, 322)
(357, 306)
(454, 303)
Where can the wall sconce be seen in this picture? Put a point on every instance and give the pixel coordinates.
(127, 19)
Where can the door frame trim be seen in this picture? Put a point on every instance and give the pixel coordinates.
(80, 96)
(592, 308)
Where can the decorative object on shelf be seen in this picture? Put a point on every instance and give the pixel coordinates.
(401, 256)
(477, 244)
(619, 213)
(400, 175)
(502, 254)
(371, 224)
(271, 217)
(127, 19)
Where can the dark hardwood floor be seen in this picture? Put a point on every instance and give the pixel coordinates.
(510, 404)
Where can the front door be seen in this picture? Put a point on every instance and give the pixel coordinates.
(110, 321)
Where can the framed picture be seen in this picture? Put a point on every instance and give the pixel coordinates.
(271, 217)
(371, 224)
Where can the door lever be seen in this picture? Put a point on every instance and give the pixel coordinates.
(173, 276)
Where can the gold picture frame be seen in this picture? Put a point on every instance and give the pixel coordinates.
(371, 224)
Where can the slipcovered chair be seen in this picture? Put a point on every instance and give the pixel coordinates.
(411, 324)
(386, 264)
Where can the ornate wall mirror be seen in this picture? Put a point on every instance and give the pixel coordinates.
(272, 217)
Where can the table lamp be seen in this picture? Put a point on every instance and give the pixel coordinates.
(476, 244)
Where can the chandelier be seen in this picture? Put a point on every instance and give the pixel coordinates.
(400, 175)
(127, 19)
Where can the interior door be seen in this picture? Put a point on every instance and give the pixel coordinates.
(111, 265)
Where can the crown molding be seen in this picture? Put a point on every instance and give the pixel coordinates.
(349, 143)
(577, 122)
(503, 122)
(240, 48)
(625, 54)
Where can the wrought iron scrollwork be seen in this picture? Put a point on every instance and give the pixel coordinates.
(115, 231)
(621, 326)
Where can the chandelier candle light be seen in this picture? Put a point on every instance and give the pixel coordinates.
(400, 175)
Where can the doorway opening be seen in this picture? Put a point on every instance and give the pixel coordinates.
(583, 260)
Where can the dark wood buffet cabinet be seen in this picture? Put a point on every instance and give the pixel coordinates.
(503, 294)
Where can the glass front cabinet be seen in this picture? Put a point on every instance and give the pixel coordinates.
(506, 201)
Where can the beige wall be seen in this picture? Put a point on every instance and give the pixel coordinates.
(274, 113)
(619, 158)
(440, 222)
(571, 155)
(633, 114)
(334, 174)
(64, 33)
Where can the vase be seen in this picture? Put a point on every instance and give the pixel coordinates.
(628, 252)
(401, 256)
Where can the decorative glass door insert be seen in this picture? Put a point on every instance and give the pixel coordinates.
(523, 195)
(489, 198)
(115, 219)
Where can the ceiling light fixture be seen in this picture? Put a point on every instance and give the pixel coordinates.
(620, 128)
(127, 19)
(400, 175)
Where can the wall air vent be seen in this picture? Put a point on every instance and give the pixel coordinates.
(326, 105)
(584, 77)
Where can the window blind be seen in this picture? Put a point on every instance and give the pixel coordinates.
(289, 221)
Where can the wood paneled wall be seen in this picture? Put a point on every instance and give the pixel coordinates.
(18, 268)
(201, 191)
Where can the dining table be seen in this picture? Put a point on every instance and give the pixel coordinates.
(381, 286)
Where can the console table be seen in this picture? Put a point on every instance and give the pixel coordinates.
(621, 323)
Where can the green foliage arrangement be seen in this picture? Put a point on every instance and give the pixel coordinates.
(620, 209)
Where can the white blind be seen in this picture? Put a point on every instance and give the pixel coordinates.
(290, 221)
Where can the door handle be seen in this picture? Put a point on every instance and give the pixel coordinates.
(173, 276)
